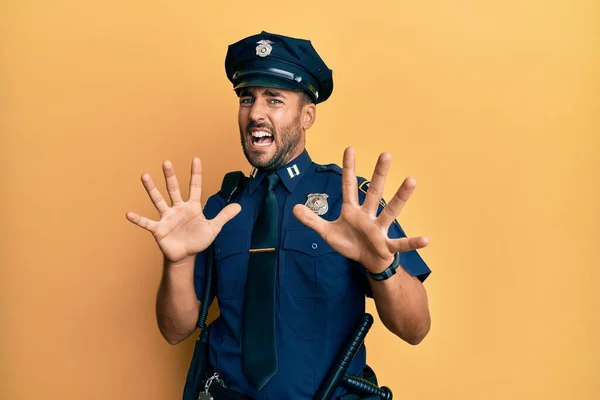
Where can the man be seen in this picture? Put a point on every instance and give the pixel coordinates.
(297, 246)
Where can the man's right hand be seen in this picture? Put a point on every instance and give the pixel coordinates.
(183, 230)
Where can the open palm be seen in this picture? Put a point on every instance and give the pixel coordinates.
(359, 233)
(182, 230)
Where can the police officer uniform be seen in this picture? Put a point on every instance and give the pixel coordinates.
(320, 295)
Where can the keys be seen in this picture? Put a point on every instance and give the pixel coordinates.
(215, 378)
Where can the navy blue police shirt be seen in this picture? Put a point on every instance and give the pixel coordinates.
(320, 295)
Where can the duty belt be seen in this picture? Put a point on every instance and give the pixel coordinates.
(216, 389)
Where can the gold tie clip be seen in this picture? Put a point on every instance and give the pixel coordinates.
(267, 250)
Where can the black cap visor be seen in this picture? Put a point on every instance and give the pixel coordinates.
(270, 80)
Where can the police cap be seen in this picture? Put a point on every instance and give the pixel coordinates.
(277, 61)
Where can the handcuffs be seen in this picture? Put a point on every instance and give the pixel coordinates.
(205, 395)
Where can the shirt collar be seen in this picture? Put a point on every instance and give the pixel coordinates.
(290, 174)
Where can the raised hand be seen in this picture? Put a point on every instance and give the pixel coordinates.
(358, 233)
(182, 230)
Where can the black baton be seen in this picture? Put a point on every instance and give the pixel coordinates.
(338, 371)
(363, 386)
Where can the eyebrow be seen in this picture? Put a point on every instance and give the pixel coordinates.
(265, 92)
(245, 93)
(272, 93)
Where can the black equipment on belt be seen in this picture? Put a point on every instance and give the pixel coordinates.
(198, 368)
(337, 373)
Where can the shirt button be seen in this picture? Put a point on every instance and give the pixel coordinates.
(314, 246)
(218, 250)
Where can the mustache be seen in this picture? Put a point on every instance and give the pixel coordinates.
(254, 125)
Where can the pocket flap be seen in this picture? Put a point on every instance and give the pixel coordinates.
(307, 241)
(229, 243)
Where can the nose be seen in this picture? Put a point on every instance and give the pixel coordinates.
(257, 112)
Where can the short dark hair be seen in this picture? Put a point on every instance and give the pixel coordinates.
(305, 98)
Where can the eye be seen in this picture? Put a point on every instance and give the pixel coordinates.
(276, 101)
(246, 100)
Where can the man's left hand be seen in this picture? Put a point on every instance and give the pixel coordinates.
(359, 233)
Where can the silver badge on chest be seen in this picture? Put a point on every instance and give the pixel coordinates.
(317, 202)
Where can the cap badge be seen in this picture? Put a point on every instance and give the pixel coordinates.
(317, 202)
(264, 48)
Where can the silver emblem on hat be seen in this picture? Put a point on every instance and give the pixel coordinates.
(317, 202)
(264, 48)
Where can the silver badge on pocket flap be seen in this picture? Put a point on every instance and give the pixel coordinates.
(317, 202)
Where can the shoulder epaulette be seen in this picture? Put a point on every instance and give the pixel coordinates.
(329, 168)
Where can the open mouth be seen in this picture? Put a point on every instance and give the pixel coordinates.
(261, 138)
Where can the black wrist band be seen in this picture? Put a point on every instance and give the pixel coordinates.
(388, 272)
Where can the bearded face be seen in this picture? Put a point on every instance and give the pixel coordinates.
(270, 123)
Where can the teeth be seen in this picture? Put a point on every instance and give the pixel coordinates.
(260, 134)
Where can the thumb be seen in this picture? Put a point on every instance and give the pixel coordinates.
(310, 219)
(226, 214)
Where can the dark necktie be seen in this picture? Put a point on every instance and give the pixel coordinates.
(259, 355)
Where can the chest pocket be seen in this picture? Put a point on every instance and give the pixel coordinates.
(231, 260)
(313, 268)
(319, 286)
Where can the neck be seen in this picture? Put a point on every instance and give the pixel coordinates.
(295, 155)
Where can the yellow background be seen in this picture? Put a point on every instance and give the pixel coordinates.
(493, 107)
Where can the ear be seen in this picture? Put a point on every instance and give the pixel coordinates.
(309, 114)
